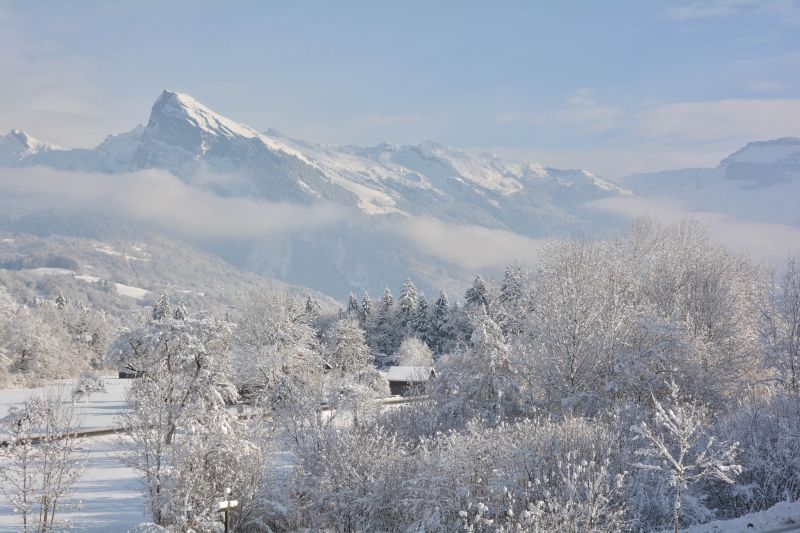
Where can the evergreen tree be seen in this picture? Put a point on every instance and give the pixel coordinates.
(162, 309)
(421, 323)
(407, 305)
(384, 325)
(365, 316)
(61, 302)
(439, 324)
(313, 308)
(477, 296)
(180, 311)
(353, 309)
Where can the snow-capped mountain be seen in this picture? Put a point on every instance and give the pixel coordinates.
(18, 145)
(213, 152)
(760, 183)
(379, 185)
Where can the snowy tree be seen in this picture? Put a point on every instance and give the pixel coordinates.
(183, 389)
(421, 322)
(365, 316)
(313, 308)
(480, 380)
(413, 352)
(277, 354)
(353, 309)
(384, 333)
(440, 320)
(676, 446)
(477, 296)
(162, 309)
(406, 307)
(180, 312)
(345, 348)
(41, 462)
(782, 329)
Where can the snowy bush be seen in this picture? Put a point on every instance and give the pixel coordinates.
(88, 384)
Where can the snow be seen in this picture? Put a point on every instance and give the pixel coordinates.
(49, 271)
(408, 373)
(100, 411)
(87, 278)
(783, 516)
(131, 291)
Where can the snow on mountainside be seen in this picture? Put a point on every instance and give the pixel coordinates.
(16, 145)
(210, 151)
(760, 183)
(382, 185)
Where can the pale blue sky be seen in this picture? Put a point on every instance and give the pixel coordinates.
(612, 86)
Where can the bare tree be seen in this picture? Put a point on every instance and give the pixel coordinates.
(676, 446)
(40, 463)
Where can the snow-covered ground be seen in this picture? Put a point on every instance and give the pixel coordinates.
(784, 516)
(110, 493)
(100, 411)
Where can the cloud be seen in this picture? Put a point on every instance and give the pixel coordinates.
(788, 11)
(584, 110)
(721, 119)
(765, 86)
(158, 197)
(472, 247)
(378, 119)
(768, 242)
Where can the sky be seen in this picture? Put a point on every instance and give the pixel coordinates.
(615, 87)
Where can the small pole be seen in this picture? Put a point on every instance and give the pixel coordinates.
(227, 509)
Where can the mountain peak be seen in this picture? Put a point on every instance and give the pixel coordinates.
(180, 109)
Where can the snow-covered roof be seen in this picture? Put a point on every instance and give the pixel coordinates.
(409, 373)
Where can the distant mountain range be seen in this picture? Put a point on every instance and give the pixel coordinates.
(384, 184)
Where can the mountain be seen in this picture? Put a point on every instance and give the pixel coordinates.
(760, 183)
(380, 184)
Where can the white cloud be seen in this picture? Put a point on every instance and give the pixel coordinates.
(772, 243)
(721, 120)
(158, 197)
(586, 112)
(787, 11)
(765, 86)
(472, 247)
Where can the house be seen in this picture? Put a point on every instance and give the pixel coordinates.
(409, 380)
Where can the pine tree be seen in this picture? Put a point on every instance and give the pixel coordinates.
(61, 302)
(353, 309)
(180, 311)
(365, 315)
(384, 330)
(421, 323)
(406, 307)
(313, 308)
(439, 324)
(162, 310)
(477, 296)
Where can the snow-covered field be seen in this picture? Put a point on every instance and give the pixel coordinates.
(784, 516)
(100, 411)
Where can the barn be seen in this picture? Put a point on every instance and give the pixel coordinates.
(410, 380)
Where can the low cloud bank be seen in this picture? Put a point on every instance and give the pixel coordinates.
(472, 247)
(761, 241)
(158, 197)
